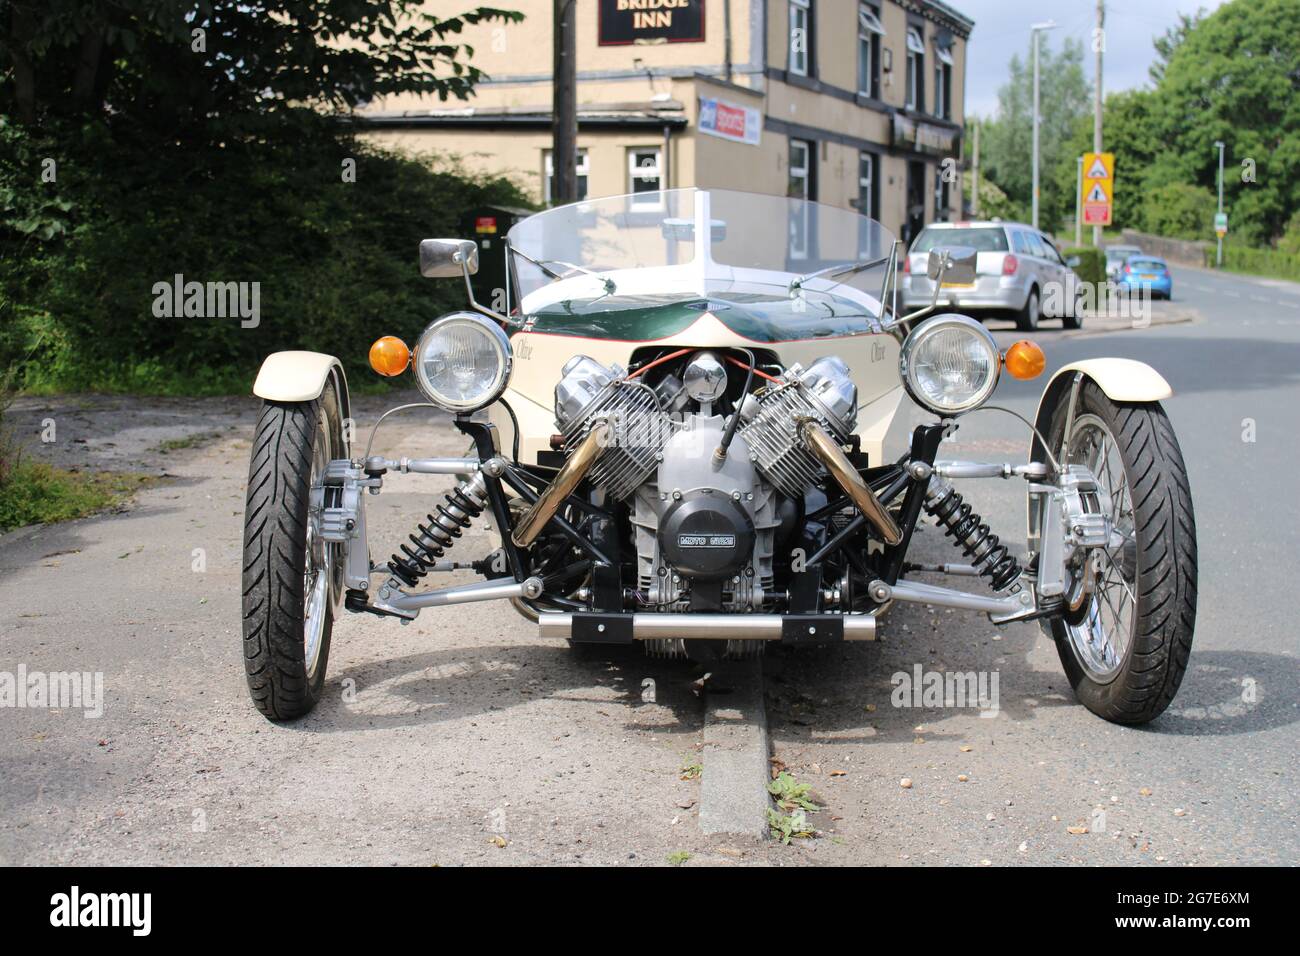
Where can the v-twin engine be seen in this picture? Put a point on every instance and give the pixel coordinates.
(705, 524)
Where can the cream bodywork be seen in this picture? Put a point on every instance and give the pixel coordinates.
(538, 358)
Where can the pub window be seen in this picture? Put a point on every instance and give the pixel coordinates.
(870, 30)
(801, 58)
(914, 90)
(866, 204)
(801, 186)
(583, 171)
(643, 174)
(943, 82)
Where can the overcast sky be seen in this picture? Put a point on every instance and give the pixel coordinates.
(1002, 30)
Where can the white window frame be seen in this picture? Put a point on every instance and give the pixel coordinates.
(943, 65)
(800, 250)
(800, 14)
(582, 169)
(635, 171)
(869, 26)
(866, 182)
(915, 69)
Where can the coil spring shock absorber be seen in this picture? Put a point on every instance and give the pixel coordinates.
(431, 540)
(969, 532)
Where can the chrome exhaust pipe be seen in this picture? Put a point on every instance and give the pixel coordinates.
(569, 477)
(707, 627)
(829, 453)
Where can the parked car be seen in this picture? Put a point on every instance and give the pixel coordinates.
(1147, 272)
(1019, 272)
(682, 446)
(1116, 256)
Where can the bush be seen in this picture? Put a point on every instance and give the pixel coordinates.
(1262, 262)
(1092, 263)
(334, 261)
(1179, 211)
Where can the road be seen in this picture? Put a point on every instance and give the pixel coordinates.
(463, 738)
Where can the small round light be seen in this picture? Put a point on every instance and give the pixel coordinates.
(389, 356)
(1025, 360)
(462, 362)
(950, 364)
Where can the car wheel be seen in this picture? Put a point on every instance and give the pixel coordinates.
(291, 576)
(1072, 319)
(1027, 318)
(1125, 650)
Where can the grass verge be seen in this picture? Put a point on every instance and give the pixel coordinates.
(36, 493)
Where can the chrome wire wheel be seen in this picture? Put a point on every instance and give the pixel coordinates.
(318, 563)
(1102, 632)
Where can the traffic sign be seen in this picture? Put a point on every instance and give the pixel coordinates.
(1098, 185)
(1221, 224)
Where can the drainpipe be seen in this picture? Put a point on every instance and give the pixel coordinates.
(667, 163)
(726, 39)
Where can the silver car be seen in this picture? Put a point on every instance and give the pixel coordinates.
(1019, 272)
(1116, 256)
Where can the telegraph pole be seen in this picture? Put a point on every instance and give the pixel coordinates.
(975, 174)
(1034, 31)
(564, 147)
(1099, 45)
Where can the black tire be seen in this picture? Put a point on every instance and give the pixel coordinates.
(1028, 317)
(1165, 557)
(1072, 319)
(275, 541)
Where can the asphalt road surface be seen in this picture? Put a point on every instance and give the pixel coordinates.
(463, 738)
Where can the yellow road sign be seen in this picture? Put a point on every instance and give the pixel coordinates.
(1098, 198)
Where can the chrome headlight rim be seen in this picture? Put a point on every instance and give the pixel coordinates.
(925, 331)
(498, 338)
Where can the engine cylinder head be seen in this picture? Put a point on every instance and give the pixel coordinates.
(822, 392)
(638, 425)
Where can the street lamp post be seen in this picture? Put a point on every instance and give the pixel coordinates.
(1218, 256)
(1034, 31)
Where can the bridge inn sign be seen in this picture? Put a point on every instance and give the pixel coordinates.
(651, 21)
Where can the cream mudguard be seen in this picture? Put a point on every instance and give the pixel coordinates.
(300, 377)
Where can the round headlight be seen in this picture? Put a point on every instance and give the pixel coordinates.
(950, 364)
(462, 362)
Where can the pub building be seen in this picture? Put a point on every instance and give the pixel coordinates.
(853, 104)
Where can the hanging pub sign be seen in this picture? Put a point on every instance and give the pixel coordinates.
(651, 21)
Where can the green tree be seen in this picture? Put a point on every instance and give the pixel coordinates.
(1064, 96)
(1170, 41)
(1235, 77)
(222, 65)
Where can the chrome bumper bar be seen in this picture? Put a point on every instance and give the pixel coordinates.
(710, 627)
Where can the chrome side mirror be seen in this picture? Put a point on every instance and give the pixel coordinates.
(448, 258)
(952, 264)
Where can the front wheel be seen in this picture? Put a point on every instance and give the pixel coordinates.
(1126, 648)
(292, 577)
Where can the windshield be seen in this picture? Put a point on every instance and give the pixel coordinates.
(656, 243)
(1147, 265)
(981, 239)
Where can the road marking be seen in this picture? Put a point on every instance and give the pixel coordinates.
(1235, 295)
(733, 797)
(1260, 298)
(1289, 305)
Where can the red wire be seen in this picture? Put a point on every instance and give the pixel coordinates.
(739, 364)
(660, 361)
(680, 352)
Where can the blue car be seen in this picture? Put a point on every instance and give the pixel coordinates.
(1149, 273)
